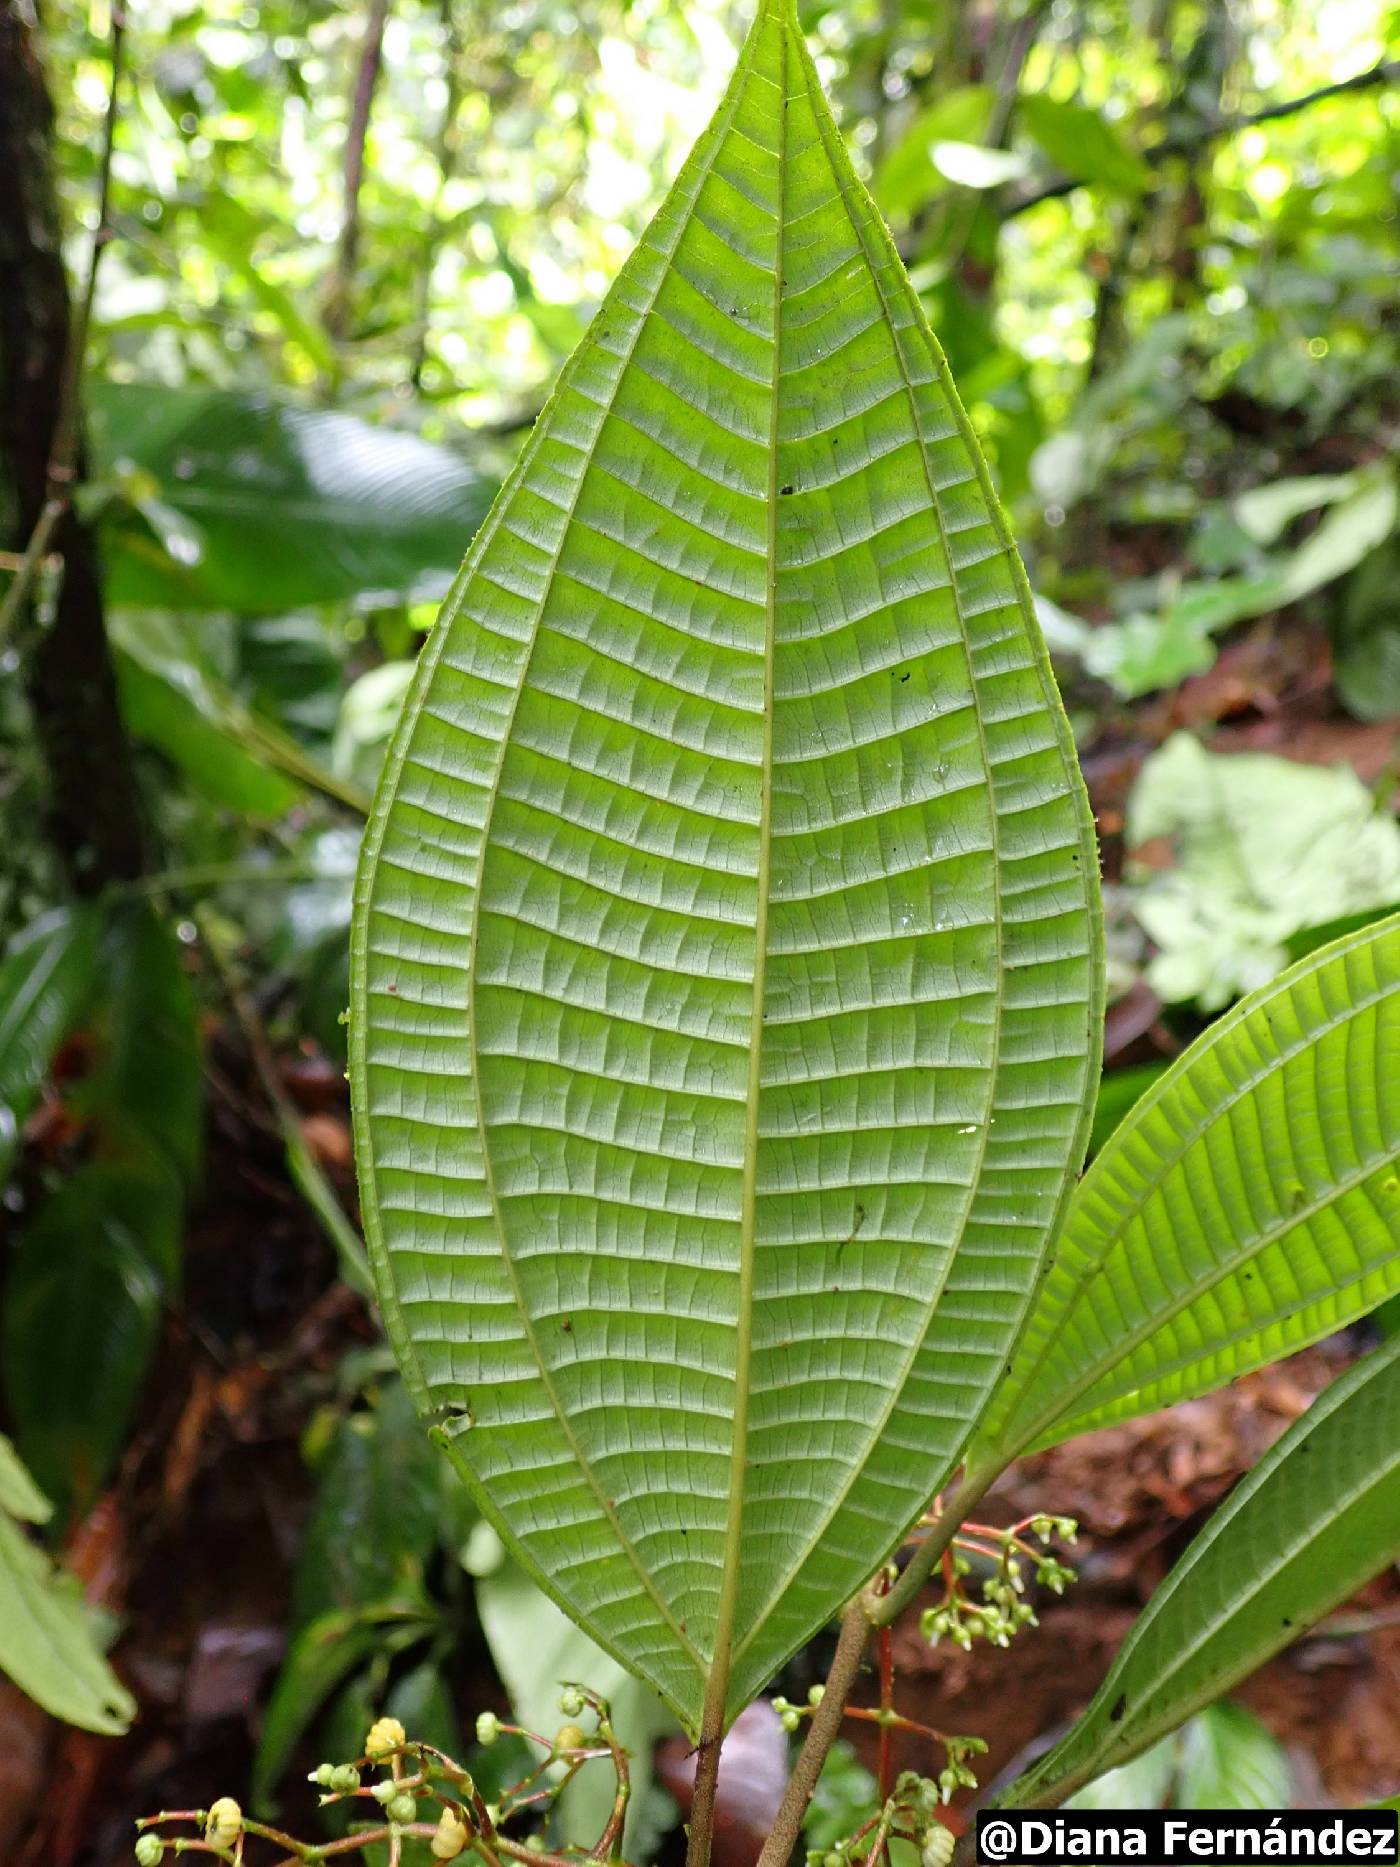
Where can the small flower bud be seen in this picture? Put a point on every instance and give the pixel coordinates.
(345, 1779)
(224, 1823)
(385, 1792)
(451, 1836)
(789, 1719)
(385, 1737)
(149, 1849)
(815, 1694)
(937, 1850)
(322, 1774)
(488, 1728)
(403, 1809)
(569, 1737)
(572, 1702)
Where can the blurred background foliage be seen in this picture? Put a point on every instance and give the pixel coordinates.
(349, 248)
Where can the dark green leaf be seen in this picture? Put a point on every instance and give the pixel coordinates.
(80, 1318)
(95, 1258)
(173, 699)
(1366, 638)
(174, 717)
(323, 1653)
(375, 1521)
(1316, 1518)
(44, 976)
(279, 506)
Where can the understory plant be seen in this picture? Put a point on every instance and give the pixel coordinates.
(727, 989)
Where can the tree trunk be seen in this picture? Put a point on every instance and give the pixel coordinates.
(93, 810)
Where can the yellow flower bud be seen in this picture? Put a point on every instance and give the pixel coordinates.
(386, 1736)
(224, 1823)
(570, 1737)
(451, 1836)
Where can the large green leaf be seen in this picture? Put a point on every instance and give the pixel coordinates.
(1248, 1204)
(359, 1590)
(726, 1001)
(253, 504)
(1316, 1518)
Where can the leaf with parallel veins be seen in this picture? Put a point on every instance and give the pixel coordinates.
(726, 975)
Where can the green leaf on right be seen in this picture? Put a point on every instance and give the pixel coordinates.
(1247, 1205)
(1315, 1519)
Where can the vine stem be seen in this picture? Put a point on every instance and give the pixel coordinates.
(63, 447)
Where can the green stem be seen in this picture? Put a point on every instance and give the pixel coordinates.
(974, 1486)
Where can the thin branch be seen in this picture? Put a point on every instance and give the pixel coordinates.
(64, 443)
(29, 563)
(821, 1734)
(446, 149)
(1384, 73)
(885, 1609)
(310, 1181)
(342, 281)
(870, 1612)
(884, 1774)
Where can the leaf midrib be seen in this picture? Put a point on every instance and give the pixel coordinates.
(605, 1505)
(897, 1387)
(717, 1683)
